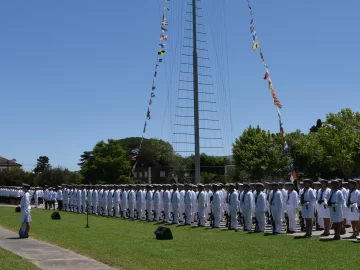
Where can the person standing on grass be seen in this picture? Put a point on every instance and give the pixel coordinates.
(247, 205)
(291, 202)
(59, 197)
(260, 207)
(335, 203)
(345, 193)
(25, 210)
(95, 200)
(276, 206)
(307, 201)
(175, 201)
(322, 208)
(84, 198)
(36, 197)
(351, 203)
(233, 206)
(188, 205)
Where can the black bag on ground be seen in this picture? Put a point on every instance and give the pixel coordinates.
(163, 233)
(55, 215)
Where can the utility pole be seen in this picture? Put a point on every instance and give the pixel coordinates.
(196, 97)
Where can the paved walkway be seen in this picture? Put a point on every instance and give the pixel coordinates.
(47, 256)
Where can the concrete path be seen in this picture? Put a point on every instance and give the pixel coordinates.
(47, 256)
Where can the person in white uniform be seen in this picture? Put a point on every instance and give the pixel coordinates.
(233, 207)
(276, 206)
(351, 203)
(260, 208)
(188, 205)
(25, 210)
(246, 204)
(175, 204)
(307, 201)
(322, 206)
(291, 203)
(335, 203)
(201, 197)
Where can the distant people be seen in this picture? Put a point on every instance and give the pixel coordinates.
(25, 212)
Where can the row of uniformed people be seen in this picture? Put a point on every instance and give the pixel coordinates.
(238, 203)
(11, 194)
(338, 205)
(188, 203)
(38, 195)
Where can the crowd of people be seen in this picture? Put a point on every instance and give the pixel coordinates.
(325, 204)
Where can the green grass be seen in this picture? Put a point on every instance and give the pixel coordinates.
(10, 261)
(131, 245)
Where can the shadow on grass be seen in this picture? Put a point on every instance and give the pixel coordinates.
(328, 240)
(269, 234)
(301, 237)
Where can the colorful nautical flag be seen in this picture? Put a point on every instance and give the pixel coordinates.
(161, 52)
(163, 37)
(256, 45)
(144, 127)
(266, 75)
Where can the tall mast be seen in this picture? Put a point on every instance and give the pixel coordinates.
(196, 96)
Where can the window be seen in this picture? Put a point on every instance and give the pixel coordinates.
(135, 174)
(162, 173)
(140, 174)
(145, 175)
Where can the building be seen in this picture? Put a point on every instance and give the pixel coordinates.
(7, 164)
(154, 175)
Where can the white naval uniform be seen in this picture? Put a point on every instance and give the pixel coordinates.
(25, 208)
(260, 208)
(352, 213)
(233, 209)
(308, 206)
(292, 202)
(336, 200)
(276, 205)
(201, 201)
(175, 204)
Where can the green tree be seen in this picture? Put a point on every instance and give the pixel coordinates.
(340, 138)
(258, 153)
(209, 164)
(57, 176)
(109, 164)
(42, 164)
(85, 157)
(15, 177)
(317, 126)
(153, 152)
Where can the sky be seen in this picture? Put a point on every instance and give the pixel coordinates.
(73, 73)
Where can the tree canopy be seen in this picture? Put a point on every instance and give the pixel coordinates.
(109, 164)
(331, 149)
(257, 152)
(42, 164)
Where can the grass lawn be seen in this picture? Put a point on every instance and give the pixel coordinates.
(10, 261)
(131, 245)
